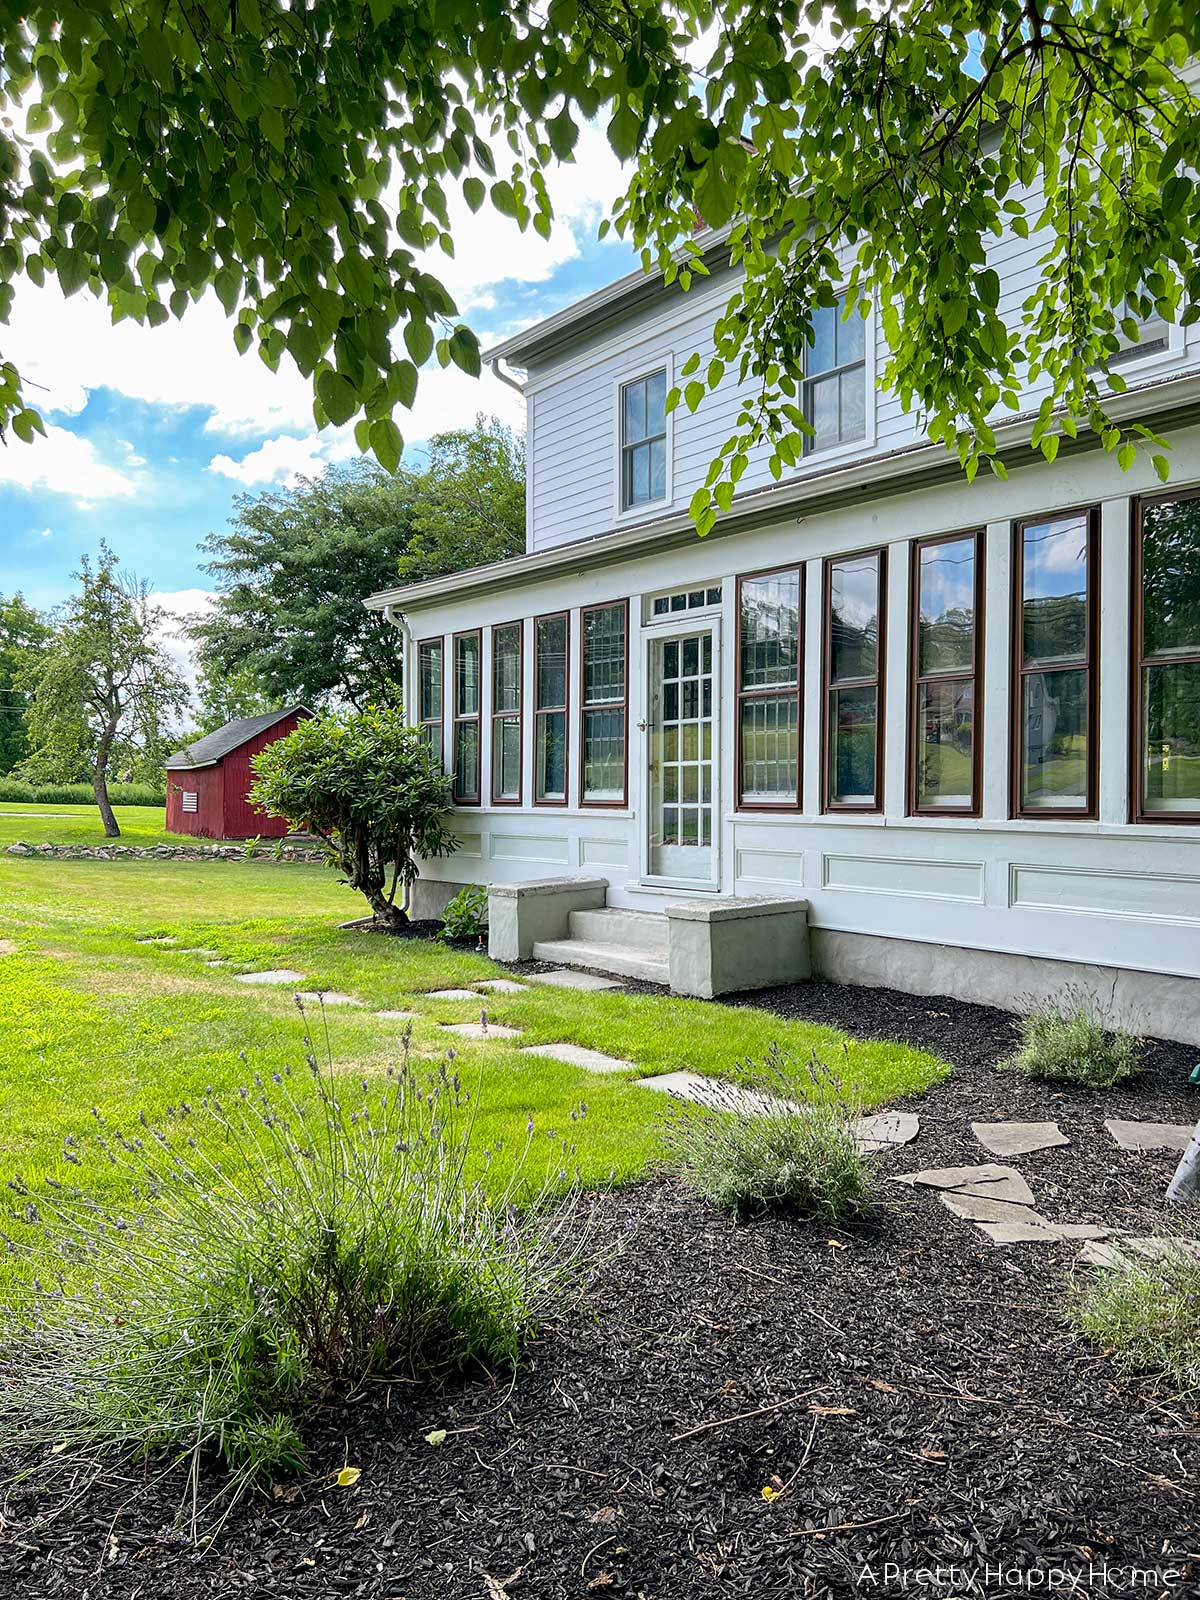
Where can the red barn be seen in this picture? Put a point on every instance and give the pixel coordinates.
(208, 781)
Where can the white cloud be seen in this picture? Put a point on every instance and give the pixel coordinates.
(448, 398)
(45, 533)
(66, 348)
(62, 462)
(178, 605)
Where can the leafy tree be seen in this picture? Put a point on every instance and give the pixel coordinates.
(104, 691)
(292, 570)
(366, 784)
(300, 159)
(23, 634)
(469, 502)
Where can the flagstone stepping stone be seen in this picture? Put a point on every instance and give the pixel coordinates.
(576, 1055)
(328, 997)
(974, 1208)
(987, 1181)
(1150, 1135)
(160, 939)
(399, 1016)
(1018, 1231)
(218, 963)
(276, 975)
(886, 1128)
(1018, 1138)
(195, 950)
(720, 1095)
(451, 994)
(502, 986)
(566, 979)
(481, 1030)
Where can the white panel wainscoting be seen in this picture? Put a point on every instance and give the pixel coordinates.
(469, 844)
(762, 870)
(553, 848)
(905, 875)
(603, 852)
(1156, 897)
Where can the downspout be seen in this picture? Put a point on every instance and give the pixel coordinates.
(506, 377)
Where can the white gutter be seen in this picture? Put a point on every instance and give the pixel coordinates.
(505, 377)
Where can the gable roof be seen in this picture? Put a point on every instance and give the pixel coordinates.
(206, 752)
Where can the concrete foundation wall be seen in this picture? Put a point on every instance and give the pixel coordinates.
(430, 897)
(1146, 1003)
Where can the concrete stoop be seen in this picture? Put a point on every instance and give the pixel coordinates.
(703, 947)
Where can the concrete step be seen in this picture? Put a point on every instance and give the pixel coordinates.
(639, 930)
(622, 961)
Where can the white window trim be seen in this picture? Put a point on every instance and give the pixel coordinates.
(815, 458)
(1157, 360)
(662, 361)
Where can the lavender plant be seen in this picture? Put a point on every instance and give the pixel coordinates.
(772, 1142)
(269, 1252)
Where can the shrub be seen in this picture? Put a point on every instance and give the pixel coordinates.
(776, 1153)
(266, 1254)
(371, 788)
(465, 916)
(1146, 1313)
(78, 794)
(1067, 1042)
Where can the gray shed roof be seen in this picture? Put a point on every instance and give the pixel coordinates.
(206, 752)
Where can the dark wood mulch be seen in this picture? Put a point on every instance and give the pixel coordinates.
(911, 1393)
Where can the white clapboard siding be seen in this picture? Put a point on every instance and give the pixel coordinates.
(573, 399)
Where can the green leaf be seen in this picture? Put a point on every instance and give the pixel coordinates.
(1127, 455)
(337, 395)
(464, 351)
(387, 443)
(1162, 466)
(72, 269)
(418, 340)
(474, 192)
(624, 132)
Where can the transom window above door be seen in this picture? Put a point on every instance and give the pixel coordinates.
(669, 605)
(835, 382)
(644, 440)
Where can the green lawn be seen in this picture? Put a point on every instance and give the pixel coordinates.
(34, 824)
(91, 1017)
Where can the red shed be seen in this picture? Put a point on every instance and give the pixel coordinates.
(207, 781)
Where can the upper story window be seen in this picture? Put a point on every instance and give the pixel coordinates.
(1056, 612)
(1167, 660)
(835, 384)
(644, 440)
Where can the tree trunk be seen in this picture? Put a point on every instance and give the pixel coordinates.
(1185, 1185)
(112, 828)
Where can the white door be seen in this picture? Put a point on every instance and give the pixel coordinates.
(681, 749)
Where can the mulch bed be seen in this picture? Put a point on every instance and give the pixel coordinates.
(910, 1391)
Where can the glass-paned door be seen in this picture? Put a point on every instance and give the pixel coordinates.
(680, 750)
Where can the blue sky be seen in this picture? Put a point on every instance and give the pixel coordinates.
(153, 433)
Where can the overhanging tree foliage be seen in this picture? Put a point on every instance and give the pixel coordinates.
(298, 158)
(24, 633)
(369, 786)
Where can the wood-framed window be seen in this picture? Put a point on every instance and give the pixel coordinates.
(1166, 659)
(604, 704)
(835, 378)
(946, 656)
(853, 669)
(508, 665)
(770, 609)
(468, 649)
(551, 674)
(1055, 703)
(644, 440)
(430, 701)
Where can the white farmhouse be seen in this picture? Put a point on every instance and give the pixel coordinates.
(913, 731)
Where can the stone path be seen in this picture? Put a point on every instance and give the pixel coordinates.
(451, 994)
(999, 1203)
(568, 979)
(577, 1056)
(501, 986)
(278, 975)
(481, 1030)
(328, 997)
(1150, 1135)
(399, 1016)
(1018, 1138)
